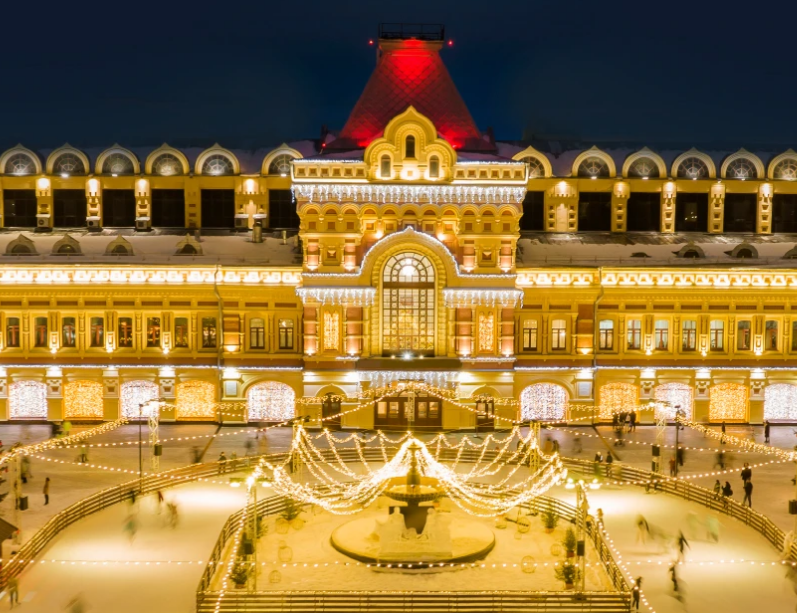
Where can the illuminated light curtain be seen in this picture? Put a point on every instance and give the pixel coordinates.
(135, 393)
(270, 401)
(676, 394)
(331, 330)
(543, 401)
(780, 401)
(83, 400)
(727, 401)
(27, 400)
(196, 400)
(486, 332)
(617, 398)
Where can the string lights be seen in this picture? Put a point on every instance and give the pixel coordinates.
(543, 401)
(196, 399)
(134, 394)
(780, 401)
(671, 395)
(83, 400)
(727, 401)
(617, 398)
(271, 401)
(27, 400)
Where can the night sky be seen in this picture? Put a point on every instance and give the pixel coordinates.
(254, 74)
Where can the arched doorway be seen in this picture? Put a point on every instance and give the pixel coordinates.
(780, 402)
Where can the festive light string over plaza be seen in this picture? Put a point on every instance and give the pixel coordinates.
(745, 444)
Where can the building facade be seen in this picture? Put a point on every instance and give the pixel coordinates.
(409, 246)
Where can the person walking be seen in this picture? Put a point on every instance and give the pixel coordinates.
(720, 459)
(596, 463)
(717, 489)
(609, 462)
(46, 491)
(683, 545)
(233, 462)
(727, 492)
(747, 472)
(672, 466)
(599, 518)
(83, 458)
(13, 591)
(577, 447)
(675, 586)
(748, 493)
(222, 463)
(25, 469)
(766, 431)
(635, 592)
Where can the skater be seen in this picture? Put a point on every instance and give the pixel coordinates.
(720, 460)
(132, 495)
(26, 472)
(222, 463)
(747, 473)
(233, 462)
(642, 529)
(722, 437)
(171, 507)
(577, 448)
(635, 592)
(46, 491)
(609, 462)
(674, 579)
(83, 457)
(748, 493)
(555, 446)
(727, 492)
(13, 591)
(680, 456)
(683, 545)
(766, 432)
(712, 528)
(548, 447)
(717, 489)
(632, 417)
(596, 464)
(600, 518)
(76, 605)
(159, 495)
(131, 527)
(672, 466)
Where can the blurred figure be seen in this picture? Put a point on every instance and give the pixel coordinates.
(642, 529)
(83, 456)
(174, 518)
(635, 592)
(159, 495)
(233, 462)
(720, 460)
(46, 491)
(632, 426)
(717, 489)
(577, 448)
(13, 591)
(25, 469)
(712, 528)
(683, 545)
(766, 431)
(131, 527)
(196, 455)
(680, 456)
(222, 463)
(672, 466)
(748, 493)
(76, 605)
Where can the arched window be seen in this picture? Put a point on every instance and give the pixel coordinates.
(281, 165)
(593, 166)
(83, 400)
(167, 165)
(727, 401)
(409, 147)
(384, 167)
(536, 167)
(786, 169)
(117, 164)
(693, 168)
(187, 249)
(408, 305)
(196, 400)
(270, 401)
(218, 165)
(543, 401)
(644, 168)
(617, 398)
(68, 164)
(780, 402)
(434, 167)
(673, 395)
(741, 168)
(21, 249)
(745, 253)
(135, 393)
(120, 250)
(27, 400)
(67, 249)
(20, 164)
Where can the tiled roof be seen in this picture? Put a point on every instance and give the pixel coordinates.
(411, 74)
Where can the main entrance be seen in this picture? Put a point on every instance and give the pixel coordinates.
(409, 411)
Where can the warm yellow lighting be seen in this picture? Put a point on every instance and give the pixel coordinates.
(727, 401)
(196, 399)
(617, 398)
(486, 332)
(331, 330)
(83, 400)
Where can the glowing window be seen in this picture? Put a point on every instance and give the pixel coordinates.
(780, 401)
(153, 331)
(218, 165)
(270, 401)
(536, 167)
(786, 169)
(727, 401)
(40, 332)
(617, 398)
(181, 332)
(68, 332)
(593, 166)
(20, 164)
(634, 334)
(408, 305)
(543, 401)
(741, 168)
(208, 332)
(117, 164)
(689, 335)
(662, 335)
(717, 335)
(12, 332)
(743, 335)
(135, 393)
(125, 337)
(559, 334)
(286, 333)
(771, 335)
(606, 334)
(331, 331)
(96, 332)
(673, 395)
(27, 400)
(692, 168)
(167, 165)
(257, 333)
(281, 165)
(196, 399)
(384, 167)
(530, 335)
(644, 167)
(68, 163)
(83, 400)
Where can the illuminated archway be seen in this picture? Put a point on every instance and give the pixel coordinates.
(83, 400)
(673, 395)
(270, 401)
(727, 401)
(196, 400)
(27, 400)
(136, 393)
(408, 304)
(780, 401)
(618, 398)
(543, 401)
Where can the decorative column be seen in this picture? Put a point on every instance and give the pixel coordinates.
(668, 207)
(193, 215)
(93, 205)
(702, 385)
(55, 398)
(758, 381)
(168, 390)
(620, 195)
(245, 207)
(561, 203)
(716, 208)
(110, 394)
(763, 223)
(143, 205)
(44, 205)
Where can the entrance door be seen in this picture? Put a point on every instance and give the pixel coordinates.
(485, 416)
(330, 407)
(425, 414)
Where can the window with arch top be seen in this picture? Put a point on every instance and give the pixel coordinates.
(167, 165)
(384, 167)
(218, 165)
(593, 166)
(20, 164)
(281, 165)
(693, 168)
(408, 305)
(434, 167)
(409, 146)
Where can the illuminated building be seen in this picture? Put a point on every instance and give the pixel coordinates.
(410, 245)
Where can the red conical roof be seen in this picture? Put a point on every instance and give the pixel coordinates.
(411, 73)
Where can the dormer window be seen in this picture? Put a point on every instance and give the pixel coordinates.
(384, 167)
(434, 167)
(409, 147)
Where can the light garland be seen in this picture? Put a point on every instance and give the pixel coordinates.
(727, 401)
(271, 401)
(196, 399)
(441, 379)
(27, 400)
(415, 194)
(543, 401)
(617, 398)
(459, 297)
(351, 296)
(745, 444)
(83, 400)
(331, 331)
(780, 401)
(670, 395)
(133, 394)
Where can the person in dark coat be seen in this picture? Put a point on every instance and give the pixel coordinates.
(766, 431)
(748, 493)
(680, 455)
(633, 422)
(727, 492)
(635, 592)
(722, 438)
(747, 473)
